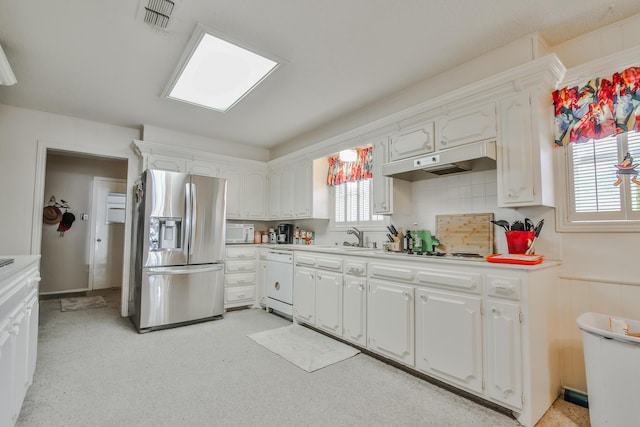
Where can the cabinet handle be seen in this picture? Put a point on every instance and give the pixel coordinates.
(319, 277)
(423, 297)
(407, 296)
(495, 311)
(360, 287)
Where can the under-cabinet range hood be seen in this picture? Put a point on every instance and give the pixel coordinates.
(476, 156)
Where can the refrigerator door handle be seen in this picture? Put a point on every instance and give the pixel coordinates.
(193, 217)
(173, 271)
(188, 198)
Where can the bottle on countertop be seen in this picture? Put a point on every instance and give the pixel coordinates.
(257, 236)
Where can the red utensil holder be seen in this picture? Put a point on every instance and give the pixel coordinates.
(518, 241)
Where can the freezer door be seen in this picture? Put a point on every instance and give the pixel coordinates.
(207, 222)
(165, 215)
(172, 295)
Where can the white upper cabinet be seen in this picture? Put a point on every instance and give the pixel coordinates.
(525, 173)
(382, 186)
(298, 190)
(255, 194)
(474, 124)
(246, 192)
(411, 142)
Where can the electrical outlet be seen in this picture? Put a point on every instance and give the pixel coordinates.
(84, 217)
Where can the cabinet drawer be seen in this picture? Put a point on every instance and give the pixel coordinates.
(240, 266)
(503, 287)
(240, 279)
(389, 271)
(450, 280)
(333, 264)
(241, 252)
(239, 294)
(305, 260)
(356, 268)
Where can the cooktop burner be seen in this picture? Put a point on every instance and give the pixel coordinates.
(436, 254)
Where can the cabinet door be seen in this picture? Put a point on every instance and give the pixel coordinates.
(382, 186)
(304, 295)
(504, 354)
(285, 191)
(449, 337)
(166, 163)
(32, 333)
(354, 310)
(235, 197)
(21, 341)
(412, 142)
(274, 195)
(329, 302)
(390, 321)
(461, 128)
(6, 374)
(255, 195)
(261, 277)
(303, 189)
(515, 152)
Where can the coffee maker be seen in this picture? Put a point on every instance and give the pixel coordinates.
(285, 233)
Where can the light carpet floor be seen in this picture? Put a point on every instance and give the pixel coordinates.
(303, 347)
(94, 369)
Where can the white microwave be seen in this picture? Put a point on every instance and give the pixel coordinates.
(239, 233)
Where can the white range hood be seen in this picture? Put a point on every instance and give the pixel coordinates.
(476, 156)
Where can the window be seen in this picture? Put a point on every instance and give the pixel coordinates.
(353, 205)
(592, 175)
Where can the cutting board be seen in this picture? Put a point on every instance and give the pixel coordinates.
(468, 233)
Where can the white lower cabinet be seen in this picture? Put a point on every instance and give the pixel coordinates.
(504, 355)
(354, 310)
(261, 277)
(304, 295)
(240, 275)
(390, 320)
(329, 302)
(449, 337)
(18, 334)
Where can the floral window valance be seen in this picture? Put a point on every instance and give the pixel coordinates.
(341, 172)
(601, 108)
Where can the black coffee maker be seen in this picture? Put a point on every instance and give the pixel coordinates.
(285, 233)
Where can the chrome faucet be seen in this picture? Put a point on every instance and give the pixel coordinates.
(359, 234)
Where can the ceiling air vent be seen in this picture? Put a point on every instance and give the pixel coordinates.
(158, 12)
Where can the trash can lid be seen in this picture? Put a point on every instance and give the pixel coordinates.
(598, 324)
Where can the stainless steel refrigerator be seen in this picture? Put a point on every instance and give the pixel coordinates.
(178, 271)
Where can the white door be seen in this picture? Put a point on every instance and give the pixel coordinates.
(107, 234)
(354, 310)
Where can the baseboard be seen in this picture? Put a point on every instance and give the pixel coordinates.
(576, 397)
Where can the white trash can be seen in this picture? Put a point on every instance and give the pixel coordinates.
(612, 362)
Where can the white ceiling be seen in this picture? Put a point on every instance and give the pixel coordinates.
(97, 60)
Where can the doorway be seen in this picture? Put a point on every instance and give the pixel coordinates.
(67, 256)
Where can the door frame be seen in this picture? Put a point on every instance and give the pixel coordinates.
(92, 233)
(103, 150)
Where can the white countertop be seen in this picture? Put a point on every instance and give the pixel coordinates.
(399, 256)
(19, 263)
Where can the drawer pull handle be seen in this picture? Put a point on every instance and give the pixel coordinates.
(277, 286)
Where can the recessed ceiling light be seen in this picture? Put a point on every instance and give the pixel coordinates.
(215, 73)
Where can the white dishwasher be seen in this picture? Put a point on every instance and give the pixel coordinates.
(279, 281)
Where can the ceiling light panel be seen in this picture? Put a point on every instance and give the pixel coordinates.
(215, 73)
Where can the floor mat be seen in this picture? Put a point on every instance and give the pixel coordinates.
(82, 303)
(303, 347)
